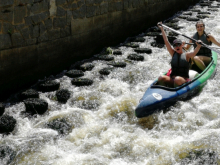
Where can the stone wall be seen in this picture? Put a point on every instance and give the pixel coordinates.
(42, 37)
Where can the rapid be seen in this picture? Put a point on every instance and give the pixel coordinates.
(104, 129)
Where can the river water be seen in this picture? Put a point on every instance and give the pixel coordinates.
(104, 129)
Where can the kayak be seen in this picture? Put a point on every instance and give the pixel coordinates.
(158, 97)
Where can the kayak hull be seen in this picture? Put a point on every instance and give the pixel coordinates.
(159, 97)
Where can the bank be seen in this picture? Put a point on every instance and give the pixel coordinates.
(39, 38)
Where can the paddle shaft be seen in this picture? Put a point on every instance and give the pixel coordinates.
(211, 48)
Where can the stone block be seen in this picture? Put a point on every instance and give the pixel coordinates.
(19, 27)
(135, 4)
(69, 16)
(40, 7)
(54, 34)
(48, 23)
(0, 26)
(5, 41)
(42, 28)
(126, 5)
(31, 41)
(59, 22)
(6, 15)
(17, 40)
(89, 2)
(119, 6)
(79, 13)
(6, 2)
(111, 6)
(36, 19)
(80, 3)
(98, 1)
(43, 37)
(35, 1)
(104, 8)
(8, 28)
(60, 12)
(98, 10)
(36, 31)
(74, 6)
(60, 2)
(19, 14)
(25, 33)
(81, 25)
(70, 1)
(90, 11)
(28, 20)
(64, 32)
(142, 3)
(23, 2)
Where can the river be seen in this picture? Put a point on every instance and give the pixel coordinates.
(104, 129)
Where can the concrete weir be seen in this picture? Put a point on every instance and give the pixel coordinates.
(42, 37)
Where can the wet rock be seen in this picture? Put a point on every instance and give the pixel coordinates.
(117, 64)
(192, 19)
(139, 39)
(105, 71)
(202, 16)
(175, 20)
(117, 52)
(63, 95)
(159, 39)
(213, 10)
(136, 39)
(171, 24)
(30, 93)
(183, 16)
(7, 124)
(49, 86)
(60, 125)
(74, 73)
(214, 7)
(82, 82)
(155, 44)
(35, 106)
(132, 45)
(195, 10)
(135, 57)
(7, 155)
(154, 29)
(153, 34)
(204, 4)
(86, 67)
(2, 108)
(187, 13)
(172, 34)
(104, 57)
(143, 50)
(204, 12)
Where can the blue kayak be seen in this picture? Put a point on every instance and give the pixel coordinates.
(159, 97)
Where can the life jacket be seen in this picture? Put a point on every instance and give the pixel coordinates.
(203, 50)
(180, 66)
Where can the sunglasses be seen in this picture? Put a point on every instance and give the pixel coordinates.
(199, 26)
(177, 45)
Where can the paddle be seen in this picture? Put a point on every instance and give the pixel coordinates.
(211, 48)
